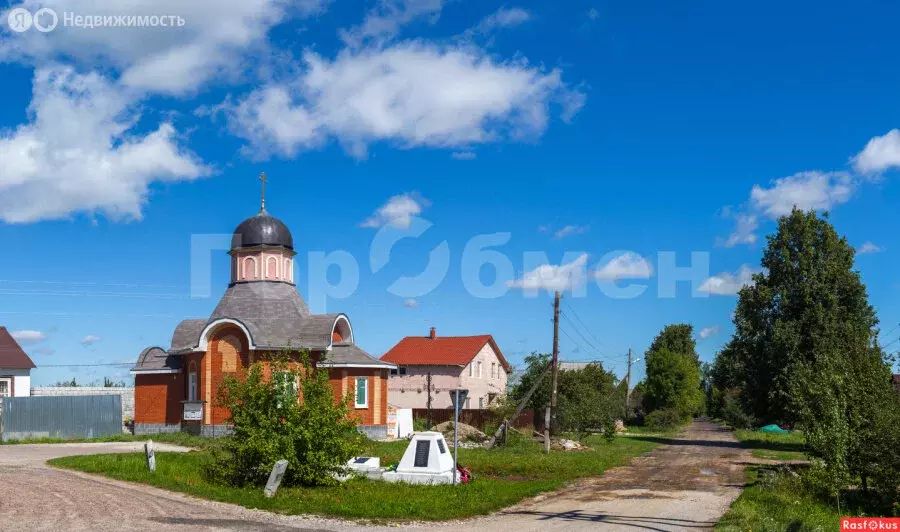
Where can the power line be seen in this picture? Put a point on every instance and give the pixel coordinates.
(575, 328)
(892, 330)
(85, 365)
(586, 328)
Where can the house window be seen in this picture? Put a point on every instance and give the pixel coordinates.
(192, 386)
(287, 383)
(393, 372)
(480, 403)
(470, 369)
(480, 373)
(4, 388)
(493, 369)
(467, 403)
(402, 370)
(362, 392)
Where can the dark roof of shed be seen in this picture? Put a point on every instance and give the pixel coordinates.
(156, 359)
(346, 353)
(11, 354)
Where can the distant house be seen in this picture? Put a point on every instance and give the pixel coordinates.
(15, 367)
(471, 362)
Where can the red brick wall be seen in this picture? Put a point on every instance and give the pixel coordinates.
(343, 380)
(157, 398)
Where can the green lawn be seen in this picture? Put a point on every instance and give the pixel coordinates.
(780, 504)
(504, 477)
(781, 447)
(176, 438)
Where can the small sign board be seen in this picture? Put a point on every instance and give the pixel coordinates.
(193, 412)
(458, 397)
(150, 452)
(275, 477)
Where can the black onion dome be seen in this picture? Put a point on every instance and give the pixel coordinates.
(262, 230)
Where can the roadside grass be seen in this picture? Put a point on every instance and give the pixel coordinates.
(175, 438)
(782, 447)
(504, 476)
(783, 503)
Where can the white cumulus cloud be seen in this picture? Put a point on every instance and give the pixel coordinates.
(562, 277)
(868, 247)
(90, 340)
(397, 212)
(805, 190)
(628, 265)
(214, 41)
(706, 332)
(879, 154)
(728, 284)
(27, 336)
(570, 230)
(78, 153)
(414, 93)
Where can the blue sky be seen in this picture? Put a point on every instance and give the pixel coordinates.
(615, 130)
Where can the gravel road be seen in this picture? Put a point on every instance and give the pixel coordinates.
(686, 484)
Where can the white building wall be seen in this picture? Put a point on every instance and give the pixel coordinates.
(21, 381)
(485, 385)
(22, 385)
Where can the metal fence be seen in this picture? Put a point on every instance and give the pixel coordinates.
(91, 416)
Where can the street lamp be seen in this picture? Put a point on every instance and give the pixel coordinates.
(458, 396)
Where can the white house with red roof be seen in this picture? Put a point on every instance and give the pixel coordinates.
(471, 362)
(15, 367)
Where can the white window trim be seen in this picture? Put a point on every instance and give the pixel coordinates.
(356, 403)
(480, 370)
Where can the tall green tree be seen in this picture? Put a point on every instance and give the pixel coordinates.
(673, 372)
(806, 346)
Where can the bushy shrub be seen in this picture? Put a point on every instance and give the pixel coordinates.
(664, 419)
(316, 436)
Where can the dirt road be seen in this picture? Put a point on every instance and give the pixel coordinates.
(686, 484)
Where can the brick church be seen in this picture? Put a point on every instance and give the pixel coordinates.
(260, 313)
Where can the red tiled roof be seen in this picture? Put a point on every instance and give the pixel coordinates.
(441, 350)
(11, 354)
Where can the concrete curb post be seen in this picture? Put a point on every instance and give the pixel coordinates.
(275, 478)
(150, 452)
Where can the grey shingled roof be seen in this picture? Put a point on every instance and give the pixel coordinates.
(187, 335)
(273, 312)
(156, 359)
(351, 354)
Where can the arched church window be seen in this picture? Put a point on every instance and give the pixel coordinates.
(249, 268)
(272, 268)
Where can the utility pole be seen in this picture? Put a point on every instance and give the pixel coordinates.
(551, 410)
(627, 385)
(428, 403)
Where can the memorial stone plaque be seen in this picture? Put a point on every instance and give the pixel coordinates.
(275, 477)
(422, 448)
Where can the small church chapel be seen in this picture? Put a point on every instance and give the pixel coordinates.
(261, 313)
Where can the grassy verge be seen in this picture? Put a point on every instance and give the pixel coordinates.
(782, 503)
(504, 477)
(176, 438)
(771, 446)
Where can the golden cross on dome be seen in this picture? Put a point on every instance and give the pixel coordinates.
(263, 179)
